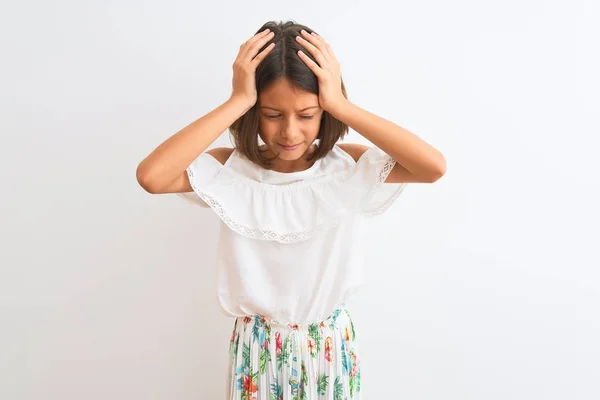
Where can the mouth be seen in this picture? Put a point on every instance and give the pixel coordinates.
(288, 148)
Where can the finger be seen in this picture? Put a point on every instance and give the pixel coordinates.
(256, 46)
(314, 51)
(256, 38)
(318, 42)
(262, 54)
(327, 46)
(244, 47)
(313, 66)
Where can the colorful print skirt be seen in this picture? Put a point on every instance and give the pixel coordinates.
(270, 360)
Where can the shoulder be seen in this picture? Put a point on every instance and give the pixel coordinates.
(355, 150)
(221, 154)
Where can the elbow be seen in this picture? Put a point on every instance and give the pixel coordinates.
(143, 179)
(441, 170)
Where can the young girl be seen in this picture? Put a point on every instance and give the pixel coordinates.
(289, 204)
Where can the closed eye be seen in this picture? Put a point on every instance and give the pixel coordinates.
(277, 116)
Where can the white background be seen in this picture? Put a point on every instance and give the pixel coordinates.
(484, 285)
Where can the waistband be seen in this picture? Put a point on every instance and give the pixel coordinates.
(274, 323)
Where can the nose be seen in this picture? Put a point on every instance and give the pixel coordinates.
(288, 129)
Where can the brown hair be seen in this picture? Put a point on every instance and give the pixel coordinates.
(284, 62)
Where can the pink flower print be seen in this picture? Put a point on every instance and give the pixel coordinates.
(278, 343)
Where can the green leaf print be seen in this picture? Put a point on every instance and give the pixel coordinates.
(255, 332)
(303, 381)
(233, 346)
(334, 316)
(256, 379)
(276, 390)
(267, 334)
(314, 332)
(265, 355)
(346, 362)
(322, 383)
(283, 357)
(338, 390)
(246, 356)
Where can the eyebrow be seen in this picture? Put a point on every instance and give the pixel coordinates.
(304, 109)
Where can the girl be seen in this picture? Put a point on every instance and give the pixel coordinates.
(289, 198)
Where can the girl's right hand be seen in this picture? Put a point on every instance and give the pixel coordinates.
(244, 67)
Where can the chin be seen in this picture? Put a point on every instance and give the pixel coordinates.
(290, 154)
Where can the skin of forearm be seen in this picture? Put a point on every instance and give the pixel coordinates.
(165, 163)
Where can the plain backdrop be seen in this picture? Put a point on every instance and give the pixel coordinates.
(484, 285)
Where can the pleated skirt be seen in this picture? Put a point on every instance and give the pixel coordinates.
(269, 360)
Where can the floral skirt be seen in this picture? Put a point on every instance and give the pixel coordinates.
(269, 360)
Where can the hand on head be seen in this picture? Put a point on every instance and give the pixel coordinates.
(244, 67)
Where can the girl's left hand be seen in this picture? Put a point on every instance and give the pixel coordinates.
(327, 70)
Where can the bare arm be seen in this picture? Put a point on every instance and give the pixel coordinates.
(417, 161)
(163, 170)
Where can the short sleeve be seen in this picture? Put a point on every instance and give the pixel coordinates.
(203, 168)
(192, 198)
(196, 165)
(372, 169)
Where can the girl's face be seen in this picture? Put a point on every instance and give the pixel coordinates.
(289, 119)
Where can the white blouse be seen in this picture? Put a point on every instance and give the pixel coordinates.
(288, 247)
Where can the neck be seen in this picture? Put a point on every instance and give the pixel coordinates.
(288, 166)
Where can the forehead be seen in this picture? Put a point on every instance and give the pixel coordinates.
(282, 95)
